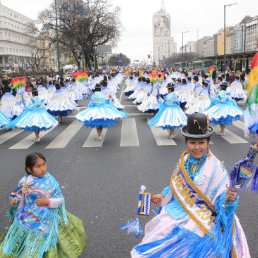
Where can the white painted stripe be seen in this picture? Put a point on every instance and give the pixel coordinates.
(80, 108)
(230, 137)
(9, 135)
(129, 135)
(130, 114)
(91, 141)
(161, 137)
(28, 141)
(65, 137)
(239, 124)
(140, 114)
(122, 90)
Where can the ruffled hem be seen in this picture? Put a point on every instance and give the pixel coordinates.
(254, 129)
(59, 113)
(36, 128)
(97, 123)
(71, 240)
(224, 120)
(128, 93)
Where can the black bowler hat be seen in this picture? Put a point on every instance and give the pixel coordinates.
(223, 85)
(170, 85)
(197, 126)
(97, 87)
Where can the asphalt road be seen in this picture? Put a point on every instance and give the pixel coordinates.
(101, 185)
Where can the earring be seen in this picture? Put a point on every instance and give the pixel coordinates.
(209, 153)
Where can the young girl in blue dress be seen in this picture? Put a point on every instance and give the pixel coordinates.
(34, 118)
(41, 226)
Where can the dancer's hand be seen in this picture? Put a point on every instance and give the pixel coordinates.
(157, 198)
(42, 201)
(14, 201)
(231, 195)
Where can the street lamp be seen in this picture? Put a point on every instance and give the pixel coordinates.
(57, 42)
(224, 60)
(183, 42)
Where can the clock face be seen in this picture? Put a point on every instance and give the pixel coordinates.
(161, 26)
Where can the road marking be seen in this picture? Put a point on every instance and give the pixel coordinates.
(65, 137)
(91, 142)
(161, 137)
(239, 124)
(28, 141)
(129, 135)
(122, 90)
(9, 135)
(230, 136)
(140, 114)
(130, 114)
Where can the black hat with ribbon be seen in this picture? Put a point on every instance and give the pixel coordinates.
(197, 126)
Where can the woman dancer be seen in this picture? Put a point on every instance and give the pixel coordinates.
(170, 116)
(224, 110)
(100, 113)
(192, 221)
(34, 118)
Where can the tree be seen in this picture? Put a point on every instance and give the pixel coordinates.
(118, 60)
(81, 27)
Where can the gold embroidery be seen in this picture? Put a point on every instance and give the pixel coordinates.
(199, 126)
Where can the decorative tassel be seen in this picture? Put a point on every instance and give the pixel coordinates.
(133, 228)
(254, 183)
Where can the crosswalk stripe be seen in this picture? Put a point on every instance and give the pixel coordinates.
(28, 141)
(230, 136)
(9, 135)
(161, 137)
(129, 135)
(65, 137)
(91, 140)
(239, 124)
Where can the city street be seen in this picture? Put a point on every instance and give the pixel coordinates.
(100, 181)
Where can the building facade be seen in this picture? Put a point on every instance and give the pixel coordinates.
(251, 33)
(17, 42)
(164, 45)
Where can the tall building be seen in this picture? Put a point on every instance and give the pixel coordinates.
(163, 43)
(17, 43)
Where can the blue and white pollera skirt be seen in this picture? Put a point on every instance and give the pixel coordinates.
(34, 119)
(100, 116)
(224, 113)
(169, 117)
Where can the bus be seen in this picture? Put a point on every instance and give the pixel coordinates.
(202, 65)
(182, 65)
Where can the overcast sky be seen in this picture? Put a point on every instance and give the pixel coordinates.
(204, 16)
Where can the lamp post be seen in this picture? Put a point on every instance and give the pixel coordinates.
(57, 42)
(82, 16)
(224, 60)
(183, 42)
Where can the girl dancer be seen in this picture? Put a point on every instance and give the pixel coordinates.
(41, 227)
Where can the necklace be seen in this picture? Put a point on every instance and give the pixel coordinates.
(193, 166)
